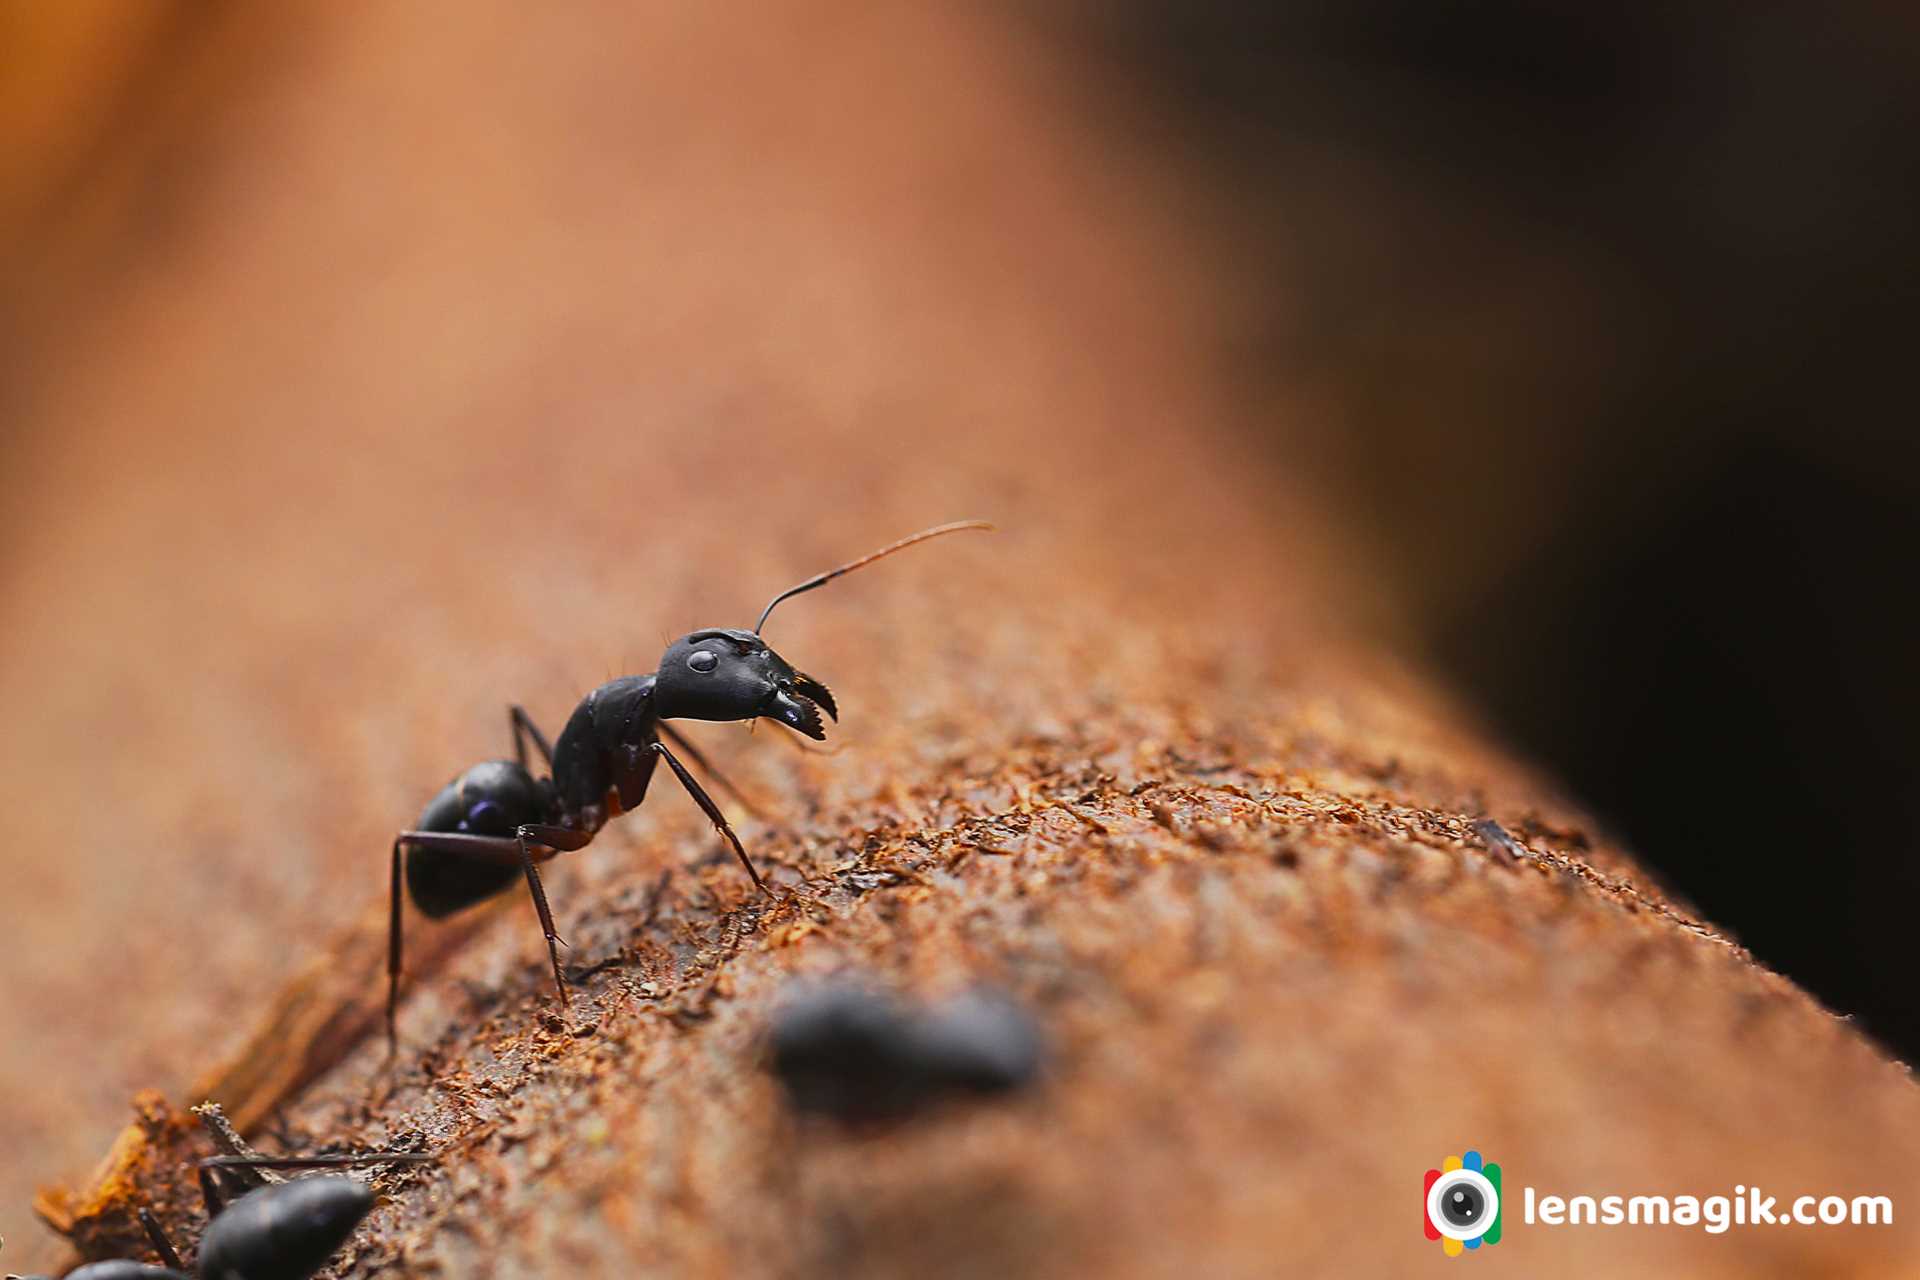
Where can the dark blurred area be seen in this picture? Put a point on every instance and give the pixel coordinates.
(1607, 323)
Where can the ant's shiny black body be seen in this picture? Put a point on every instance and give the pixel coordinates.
(498, 820)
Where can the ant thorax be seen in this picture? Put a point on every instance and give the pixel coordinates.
(603, 754)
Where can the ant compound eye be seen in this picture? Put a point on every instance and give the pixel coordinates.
(703, 660)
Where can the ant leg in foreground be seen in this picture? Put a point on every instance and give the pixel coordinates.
(396, 908)
(524, 728)
(496, 849)
(712, 810)
(720, 779)
(211, 1166)
(560, 840)
(344, 1160)
(216, 1200)
(157, 1236)
(210, 1192)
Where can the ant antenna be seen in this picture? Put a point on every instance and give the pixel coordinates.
(823, 579)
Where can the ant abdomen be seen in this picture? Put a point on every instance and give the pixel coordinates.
(283, 1232)
(490, 799)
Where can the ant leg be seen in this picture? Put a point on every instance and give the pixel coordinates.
(210, 1191)
(497, 849)
(561, 840)
(524, 728)
(345, 1161)
(156, 1234)
(394, 922)
(712, 811)
(720, 779)
(208, 1170)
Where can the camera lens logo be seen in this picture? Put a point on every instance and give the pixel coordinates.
(1463, 1203)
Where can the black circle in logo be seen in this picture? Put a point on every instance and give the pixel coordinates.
(1462, 1204)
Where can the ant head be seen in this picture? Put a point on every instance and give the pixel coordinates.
(722, 674)
(732, 675)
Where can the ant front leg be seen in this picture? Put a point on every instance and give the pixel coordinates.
(712, 810)
(720, 779)
(561, 840)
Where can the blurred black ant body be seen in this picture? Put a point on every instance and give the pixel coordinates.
(861, 1056)
(497, 820)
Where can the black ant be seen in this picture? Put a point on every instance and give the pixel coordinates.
(284, 1230)
(494, 822)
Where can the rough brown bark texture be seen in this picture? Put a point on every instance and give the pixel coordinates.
(426, 384)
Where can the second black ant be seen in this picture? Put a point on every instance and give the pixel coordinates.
(278, 1230)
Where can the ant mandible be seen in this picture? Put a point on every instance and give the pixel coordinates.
(497, 821)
